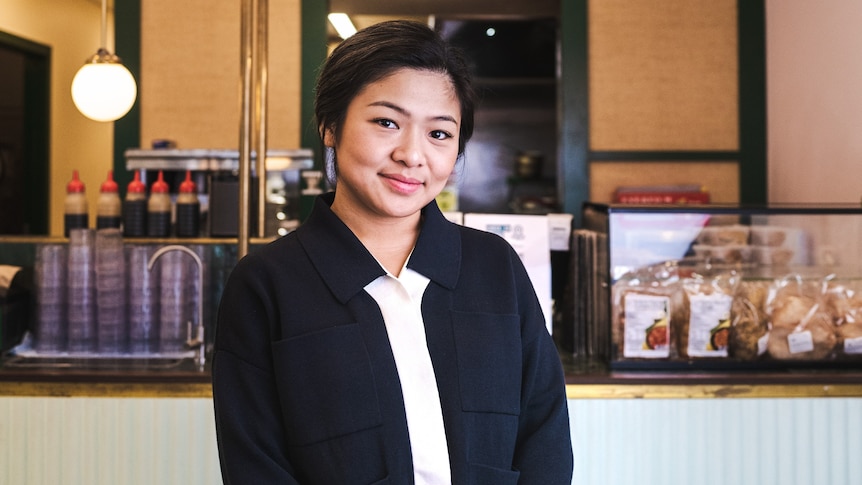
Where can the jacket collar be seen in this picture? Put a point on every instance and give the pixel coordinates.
(347, 267)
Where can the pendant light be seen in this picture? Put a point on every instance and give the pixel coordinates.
(103, 89)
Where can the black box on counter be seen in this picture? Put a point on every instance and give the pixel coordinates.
(16, 285)
(224, 206)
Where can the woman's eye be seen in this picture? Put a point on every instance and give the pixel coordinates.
(440, 135)
(386, 123)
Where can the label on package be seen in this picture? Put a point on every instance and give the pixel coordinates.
(798, 342)
(647, 326)
(853, 345)
(709, 325)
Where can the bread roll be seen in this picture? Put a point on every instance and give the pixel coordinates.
(823, 339)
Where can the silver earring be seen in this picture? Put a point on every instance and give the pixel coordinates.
(329, 165)
(458, 168)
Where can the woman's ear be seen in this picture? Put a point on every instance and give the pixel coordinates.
(328, 137)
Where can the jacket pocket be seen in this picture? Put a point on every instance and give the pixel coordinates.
(325, 384)
(486, 475)
(488, 348)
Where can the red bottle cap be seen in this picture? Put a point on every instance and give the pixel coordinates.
(136, 186)
(109, 185)
(160, 186)
(188, 185)
(75, 185)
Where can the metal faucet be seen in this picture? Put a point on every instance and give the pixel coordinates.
(198, 340)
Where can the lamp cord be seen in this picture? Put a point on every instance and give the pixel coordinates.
(104, 24)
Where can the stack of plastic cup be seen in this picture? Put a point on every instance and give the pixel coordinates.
(111, 324)
(50, 325)
(143, 300)
(191, 286)
(81, 291)
(174, 295)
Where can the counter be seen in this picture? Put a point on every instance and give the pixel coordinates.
(186, 382)
(107, 424)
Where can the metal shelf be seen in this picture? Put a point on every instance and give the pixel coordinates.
(213, 160)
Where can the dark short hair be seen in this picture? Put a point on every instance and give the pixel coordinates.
(377, 51)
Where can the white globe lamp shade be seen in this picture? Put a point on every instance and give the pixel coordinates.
(103, 89)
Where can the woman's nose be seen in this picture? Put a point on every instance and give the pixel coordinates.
(409, 150)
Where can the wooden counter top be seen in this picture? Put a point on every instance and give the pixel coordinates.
(183, 380)
(684, 381)
(596, 384)
(688, 385)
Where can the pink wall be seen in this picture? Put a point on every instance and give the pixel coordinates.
(814, 100)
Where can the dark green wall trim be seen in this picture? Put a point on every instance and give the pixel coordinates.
(752, 102)
(651, 156)
(573, 175)
(573, 182)
(37, 131)
(127, 130)
(313, 54)
(24, 45)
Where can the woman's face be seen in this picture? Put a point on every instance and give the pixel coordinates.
(398, 144)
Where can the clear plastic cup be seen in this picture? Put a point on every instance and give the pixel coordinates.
(173, 298)
(49, 329)
(143, 300)
(81, 332)
(112, 329)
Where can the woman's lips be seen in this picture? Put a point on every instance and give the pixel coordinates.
(402, 184)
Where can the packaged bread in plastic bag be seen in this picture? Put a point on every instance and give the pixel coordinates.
(709, 297)
(749, 331)
(801, 326)
(648, 302)
(843, 301)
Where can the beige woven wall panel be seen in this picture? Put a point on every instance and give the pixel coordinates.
(663, 75)
(721, 178)
(190, 83)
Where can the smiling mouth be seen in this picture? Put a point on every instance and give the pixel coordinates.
(401, 180)
(403, 185)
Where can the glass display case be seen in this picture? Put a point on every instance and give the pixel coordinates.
(715, 287)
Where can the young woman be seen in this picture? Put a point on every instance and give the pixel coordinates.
(380, 343)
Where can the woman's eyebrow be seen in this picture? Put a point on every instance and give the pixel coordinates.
(399, 109)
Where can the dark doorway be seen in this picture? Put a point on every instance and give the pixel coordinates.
(24, 135)
(514, 63)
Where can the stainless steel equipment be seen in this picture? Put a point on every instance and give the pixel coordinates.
(222, 184)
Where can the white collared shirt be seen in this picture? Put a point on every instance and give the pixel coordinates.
(400, 302)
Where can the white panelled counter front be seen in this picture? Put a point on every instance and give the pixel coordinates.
(798, 428)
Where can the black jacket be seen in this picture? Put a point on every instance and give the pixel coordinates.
(305, 385)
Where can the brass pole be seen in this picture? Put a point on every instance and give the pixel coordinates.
(245, 128)
(261, 79)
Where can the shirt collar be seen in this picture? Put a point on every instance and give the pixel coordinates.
(346, 266)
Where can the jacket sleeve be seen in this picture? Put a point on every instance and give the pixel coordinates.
(249, 428)
(543, 453)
